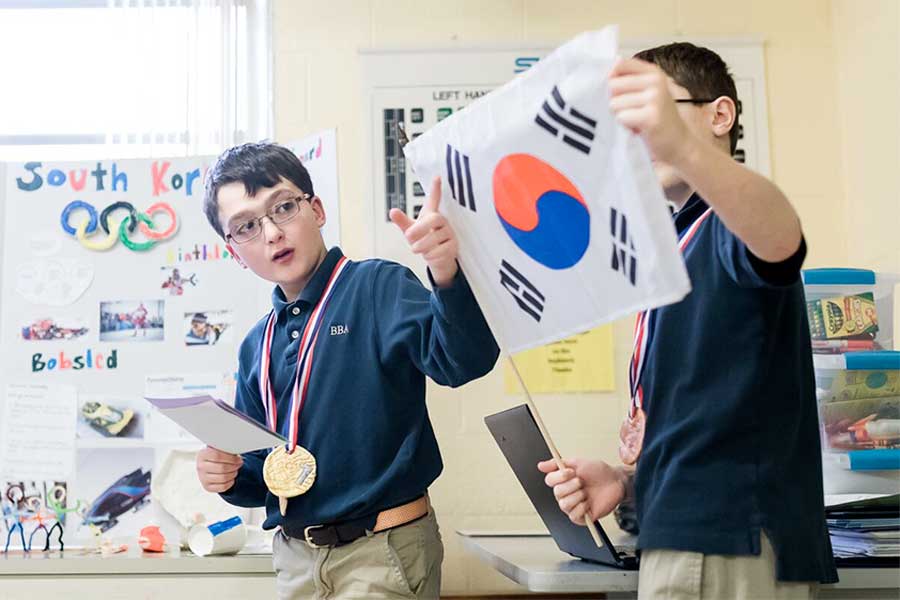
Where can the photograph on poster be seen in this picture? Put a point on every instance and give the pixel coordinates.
(114, 487)
(132, 320)
(206, 328)
(175, 280)
(101, 417)
(48, 328)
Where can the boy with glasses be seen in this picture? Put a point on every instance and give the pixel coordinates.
(723, 428)
(338, 367)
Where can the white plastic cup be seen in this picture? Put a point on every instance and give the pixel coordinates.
(224, 537)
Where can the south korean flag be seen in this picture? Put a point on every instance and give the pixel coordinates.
(561, 222)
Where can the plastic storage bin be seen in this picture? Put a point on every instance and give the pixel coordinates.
(857, 379)
(859, 408)
(857, 375)
(841, 316)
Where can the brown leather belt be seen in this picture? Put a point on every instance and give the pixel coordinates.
(339, 534)
(401, 515)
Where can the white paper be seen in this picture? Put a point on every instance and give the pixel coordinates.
(38, 441)
(54, 281)
(832, 500)
(216, 424)
(183, 385)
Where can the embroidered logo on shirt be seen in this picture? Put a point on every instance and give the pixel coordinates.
(339, 330)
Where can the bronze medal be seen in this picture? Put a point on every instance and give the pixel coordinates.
(288, 475)
(631, 437)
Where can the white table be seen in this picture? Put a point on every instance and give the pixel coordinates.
(179, 576)
(536, 563)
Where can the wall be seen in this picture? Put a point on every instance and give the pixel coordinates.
(813, 109)
(868, 92)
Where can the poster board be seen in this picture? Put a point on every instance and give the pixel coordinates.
(86, 333)
(318, 153)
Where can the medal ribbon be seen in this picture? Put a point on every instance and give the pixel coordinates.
(642, 330)
(304, 360)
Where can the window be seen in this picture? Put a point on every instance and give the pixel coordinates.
(132, 78)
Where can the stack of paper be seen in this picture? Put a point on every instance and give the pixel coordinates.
(217, 424)
(865, 528)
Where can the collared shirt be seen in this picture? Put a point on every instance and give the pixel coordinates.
(732, 443)
(364, 418)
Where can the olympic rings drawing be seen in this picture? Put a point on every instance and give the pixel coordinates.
(73, 206)
(135, 246)
(146, 227)
(104, 216)
(86, 230)
(99, 246)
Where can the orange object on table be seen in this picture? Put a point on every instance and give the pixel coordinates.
(151, 539)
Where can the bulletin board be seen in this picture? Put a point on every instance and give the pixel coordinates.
(91, 322)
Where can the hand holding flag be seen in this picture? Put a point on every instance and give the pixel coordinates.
(431, 235)
(589, 488)
(641, 100)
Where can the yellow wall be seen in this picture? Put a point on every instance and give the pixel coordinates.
(833, 130)
(867, 40)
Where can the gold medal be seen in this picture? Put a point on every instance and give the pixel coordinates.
(631, 437)
(288, 475)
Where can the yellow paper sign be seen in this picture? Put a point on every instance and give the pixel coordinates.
(581, 363)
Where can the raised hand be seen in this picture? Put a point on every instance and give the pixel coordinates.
(641, 101)
(431, 236)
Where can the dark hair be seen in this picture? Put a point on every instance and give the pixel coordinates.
(700, 71)
(256, 165)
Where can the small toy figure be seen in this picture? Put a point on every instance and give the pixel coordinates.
(40, 517)
(13, 513)
(56, 501)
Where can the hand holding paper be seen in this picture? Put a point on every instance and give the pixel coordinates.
(217, 470)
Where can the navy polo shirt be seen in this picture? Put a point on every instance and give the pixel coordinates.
(732, 443)
(364, 418)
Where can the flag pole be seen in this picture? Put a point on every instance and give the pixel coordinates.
(553, 450)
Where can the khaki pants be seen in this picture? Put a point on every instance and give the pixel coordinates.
(676, 575)
(404, 562)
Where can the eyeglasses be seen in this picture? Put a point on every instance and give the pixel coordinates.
(281, 212)
(695, 100)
